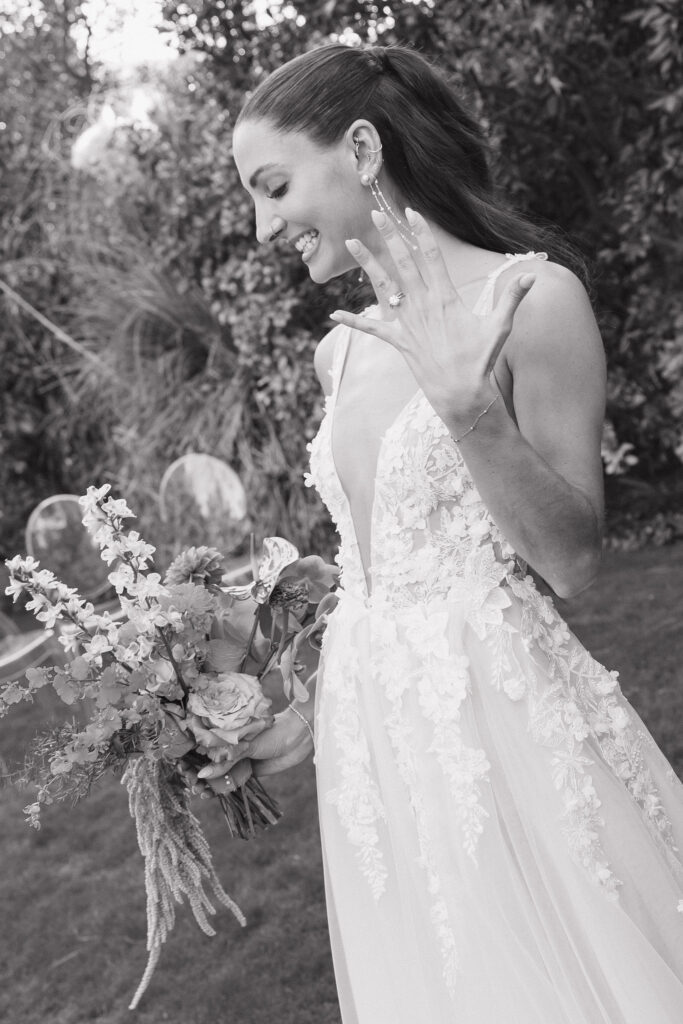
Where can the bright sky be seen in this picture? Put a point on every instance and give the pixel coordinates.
(125, 33)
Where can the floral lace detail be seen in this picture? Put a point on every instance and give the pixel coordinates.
(357, 798)
(442, 684)
(401, 733)
(582, 701)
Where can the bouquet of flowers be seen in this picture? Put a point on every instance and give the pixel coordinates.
(170, 687)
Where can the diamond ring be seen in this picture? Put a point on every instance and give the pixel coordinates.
(396, 299)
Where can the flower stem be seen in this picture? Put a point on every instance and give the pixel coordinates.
(176, 667)
(249, 642)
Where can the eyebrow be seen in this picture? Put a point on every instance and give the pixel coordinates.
(255, 176)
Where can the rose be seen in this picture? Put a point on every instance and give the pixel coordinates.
(229, 708)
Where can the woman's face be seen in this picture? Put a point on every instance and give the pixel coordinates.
(308, 194)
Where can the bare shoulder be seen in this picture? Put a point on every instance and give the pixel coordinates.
(555, 314)
(324, 356)
(557, 364)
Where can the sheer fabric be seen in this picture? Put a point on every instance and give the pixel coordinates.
(501, 835)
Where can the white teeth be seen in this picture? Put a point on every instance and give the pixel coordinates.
(306, 241)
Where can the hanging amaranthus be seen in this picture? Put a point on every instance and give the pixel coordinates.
(178, 861)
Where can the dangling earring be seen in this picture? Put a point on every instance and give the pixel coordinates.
(361, 276)
(384, 206)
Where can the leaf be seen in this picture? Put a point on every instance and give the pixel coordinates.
(66, 689)
(79, 669)
(39, 677)
(110, 689)
(12, 693)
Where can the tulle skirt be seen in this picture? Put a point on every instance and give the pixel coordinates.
(499, 847)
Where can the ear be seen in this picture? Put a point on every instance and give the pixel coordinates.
(364, 142)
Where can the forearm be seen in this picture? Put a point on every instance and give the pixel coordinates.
(550, 523)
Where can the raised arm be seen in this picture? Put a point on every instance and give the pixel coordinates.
(537, 465)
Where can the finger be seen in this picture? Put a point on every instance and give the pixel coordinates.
(508, 303)
(242, 772)
(228, 752)
(382, 282)
(410, 279)
(215, 770)
(377, 328)
(436, 272)
(505, 310)
(219, 787)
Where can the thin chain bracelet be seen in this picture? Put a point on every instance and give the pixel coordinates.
(304, 720)
(470, 429)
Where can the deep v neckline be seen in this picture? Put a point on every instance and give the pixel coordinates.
(482, 306)
(418, 394)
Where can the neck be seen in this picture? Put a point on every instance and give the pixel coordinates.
(466, 263)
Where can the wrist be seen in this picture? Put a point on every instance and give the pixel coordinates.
(307, 729)
(484, 412)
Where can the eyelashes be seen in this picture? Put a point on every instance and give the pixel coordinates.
(277, 193)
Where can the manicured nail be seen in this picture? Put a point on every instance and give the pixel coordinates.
(379, 218)
(411, 216)
(354, 246)
(527, 280)
(335, 316)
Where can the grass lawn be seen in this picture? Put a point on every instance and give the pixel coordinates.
(72, 941)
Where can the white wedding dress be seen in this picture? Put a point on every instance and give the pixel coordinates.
(501, 835)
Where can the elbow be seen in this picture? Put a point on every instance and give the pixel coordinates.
(578, 576)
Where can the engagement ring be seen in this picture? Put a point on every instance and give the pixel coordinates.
(396, 299)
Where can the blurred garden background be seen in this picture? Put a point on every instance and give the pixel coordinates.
(141, 321)
(123, 222)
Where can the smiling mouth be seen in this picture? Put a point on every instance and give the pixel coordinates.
(306, 242)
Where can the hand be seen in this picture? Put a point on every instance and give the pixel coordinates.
(285, 744)
(450, 351)
(222, 785)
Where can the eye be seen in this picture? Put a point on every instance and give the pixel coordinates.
(278, 192)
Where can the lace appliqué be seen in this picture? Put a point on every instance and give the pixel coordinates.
(357, 798)
(407, 755)
(571, 699)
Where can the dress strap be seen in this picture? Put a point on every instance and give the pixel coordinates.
(339, 359)
(484, 303)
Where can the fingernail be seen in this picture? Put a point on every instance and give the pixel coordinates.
(411, 216)
(527, 280)
(354, 246)
(335, 316)
(379, 218)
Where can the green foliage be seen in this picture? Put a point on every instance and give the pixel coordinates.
(44, 85)
(205, 340)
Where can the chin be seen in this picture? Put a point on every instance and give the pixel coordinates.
(321, 272)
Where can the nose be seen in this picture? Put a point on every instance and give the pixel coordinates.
(268, 227)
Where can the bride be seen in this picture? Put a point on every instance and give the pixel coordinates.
(501, 835)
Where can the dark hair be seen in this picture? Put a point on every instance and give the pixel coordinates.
(433, 149)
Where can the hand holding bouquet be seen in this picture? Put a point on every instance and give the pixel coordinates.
(172, 684)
